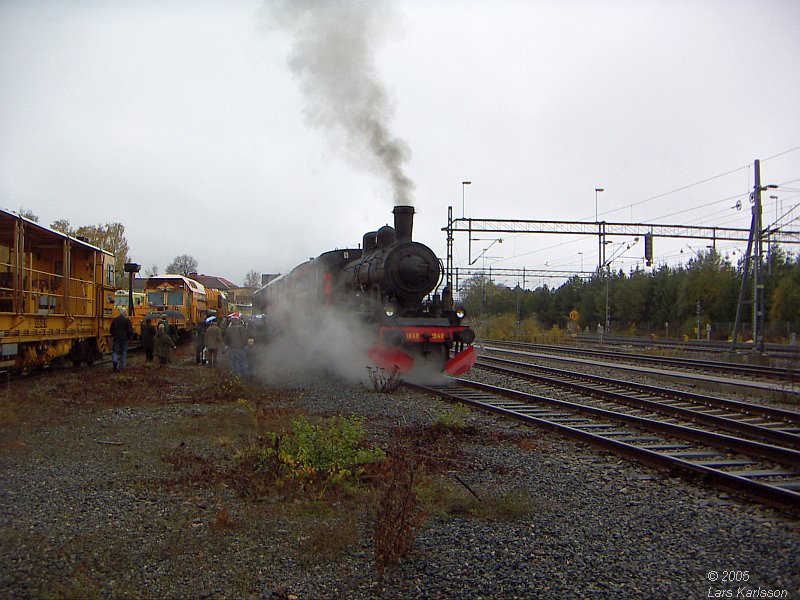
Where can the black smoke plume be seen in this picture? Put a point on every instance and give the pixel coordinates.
(332, 56)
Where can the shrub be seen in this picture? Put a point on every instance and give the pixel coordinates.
(306, 454)
(454, 418)
(334, 452)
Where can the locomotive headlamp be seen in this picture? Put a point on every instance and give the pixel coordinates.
(389, 309)
(460, 313)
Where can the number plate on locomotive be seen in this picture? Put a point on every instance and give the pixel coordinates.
(416, 336)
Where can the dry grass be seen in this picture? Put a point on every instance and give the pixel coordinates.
(212, 440)
(328, 539)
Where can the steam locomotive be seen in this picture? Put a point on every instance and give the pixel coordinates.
(383, 290)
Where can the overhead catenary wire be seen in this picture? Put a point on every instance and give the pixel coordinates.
(719, 216)
(702, 181)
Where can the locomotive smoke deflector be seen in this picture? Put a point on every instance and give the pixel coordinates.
(403, 222)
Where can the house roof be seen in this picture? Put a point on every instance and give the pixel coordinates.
(214, 282)
(197, 286)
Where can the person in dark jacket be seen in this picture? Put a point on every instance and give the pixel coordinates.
(148, 339)
(121, 331)
(200, 342)
(236, 341)
(251, 354)
(170, 329)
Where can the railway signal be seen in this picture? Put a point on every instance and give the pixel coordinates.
(648, 248)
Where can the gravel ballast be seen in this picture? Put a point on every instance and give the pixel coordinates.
(91, 508)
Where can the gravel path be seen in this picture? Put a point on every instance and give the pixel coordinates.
(91, 509)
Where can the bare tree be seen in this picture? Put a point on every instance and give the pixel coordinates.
(151, 271)
(182, 265)
(252, 279)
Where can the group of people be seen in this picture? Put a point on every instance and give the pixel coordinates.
(156, 339)
(211, 341)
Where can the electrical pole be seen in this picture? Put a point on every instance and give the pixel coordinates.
(449, 269)
(758, 264)
(755, 249)
(601, 258)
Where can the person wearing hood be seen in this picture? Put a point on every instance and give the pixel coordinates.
(236, 341)
(213, 341)
(164, 345)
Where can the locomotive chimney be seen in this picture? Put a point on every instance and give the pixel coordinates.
(403, 222)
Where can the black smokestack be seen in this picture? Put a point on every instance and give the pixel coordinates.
(332, 56)
(403, 222)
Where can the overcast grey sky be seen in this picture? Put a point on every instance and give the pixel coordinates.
(220, 129)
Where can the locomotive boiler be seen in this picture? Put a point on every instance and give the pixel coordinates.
(390, 288)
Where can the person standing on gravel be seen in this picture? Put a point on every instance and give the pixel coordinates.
(200, 342)
(121, 332)
(164, 345)
(236, 341)
(213, 341)
(251, 355)
(148, 339)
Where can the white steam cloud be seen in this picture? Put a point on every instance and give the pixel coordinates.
(332, 56)
(303, 347)
(334, 342)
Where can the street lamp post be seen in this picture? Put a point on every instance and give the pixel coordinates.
(131, 269)
(464, 185)
(600, 247)
(608, 306)
(596, 191)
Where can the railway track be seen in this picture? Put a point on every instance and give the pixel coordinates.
(755, 457)
(785, 351)
(763, 423)
(762, 372)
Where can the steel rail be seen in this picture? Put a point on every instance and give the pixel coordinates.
(775, 350)
(775, 436)
(518, 405)
(724, 367)
(768, 412)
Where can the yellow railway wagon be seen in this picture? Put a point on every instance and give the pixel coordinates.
(56, 296)
(121, 300)
(181, 300)
(216, 302)
(139, 312)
